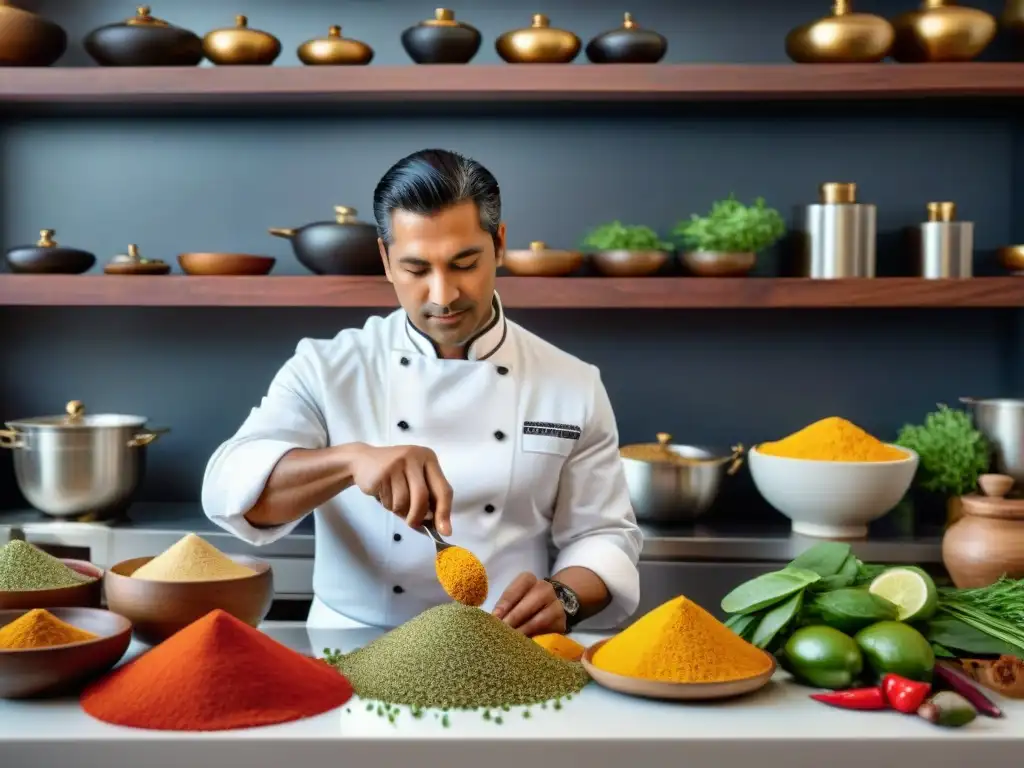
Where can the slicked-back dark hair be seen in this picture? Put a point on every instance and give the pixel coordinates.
(431, 180)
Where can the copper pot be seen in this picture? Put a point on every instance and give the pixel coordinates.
(628, 263)
(942, 31)
(29, 40)
(987, 542)
(334, 50)
(540, 43)
(240, 45)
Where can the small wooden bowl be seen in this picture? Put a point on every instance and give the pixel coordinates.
(652, 689)
(37, 672)
(540, 261)
(628, 263)
(158, 609)
(225, 264)
(145, 268)
(86, 595)
(718, 264)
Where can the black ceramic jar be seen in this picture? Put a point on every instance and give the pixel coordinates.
(441, 40)
(144, 41)
(47, 257)
(629, 44)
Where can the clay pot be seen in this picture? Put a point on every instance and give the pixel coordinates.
(629, 44)
(29, 40)
(987, 542)
(144, 41)
(441, 40)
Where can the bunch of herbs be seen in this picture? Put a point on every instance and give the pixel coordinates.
(616, 236)
(953, 453)
(732, 227)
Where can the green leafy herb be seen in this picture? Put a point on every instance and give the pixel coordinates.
(732, 227)
(767, 589)
(776, 620)
(742, 623)
(852, 609)
(846, 577)
(825, 559)
(953, 453)
(617, 236)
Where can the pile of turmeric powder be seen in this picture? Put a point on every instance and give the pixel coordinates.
(462, 575)
(40, 629)
(680, 642)
(560, 645)
(832, 439)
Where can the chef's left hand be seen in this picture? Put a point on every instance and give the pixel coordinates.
(531, 606)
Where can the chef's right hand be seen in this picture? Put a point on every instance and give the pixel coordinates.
(407, 480)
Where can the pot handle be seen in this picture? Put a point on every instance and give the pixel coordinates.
(9, 439)
(146, 437)
(736, 459)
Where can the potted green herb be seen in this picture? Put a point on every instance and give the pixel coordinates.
(626, 250)
(727, 240)
(953, 455)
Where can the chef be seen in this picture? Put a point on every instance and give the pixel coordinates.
(443, 409)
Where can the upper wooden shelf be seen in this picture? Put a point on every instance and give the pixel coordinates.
(524, 292)
(522, 83)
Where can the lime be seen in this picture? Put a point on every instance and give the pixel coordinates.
(823, 657)
(897, 648)
(910, 589)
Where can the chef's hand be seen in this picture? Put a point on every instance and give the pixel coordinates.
(408, 481)
(531, 606)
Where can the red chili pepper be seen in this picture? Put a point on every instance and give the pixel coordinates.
(905, 695)
(855, 698)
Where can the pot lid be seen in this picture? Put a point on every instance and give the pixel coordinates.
(241, 25)
(74, 417)
(443, 17)
(143, 19)
(344, 214)
(46, 238)
(133, 257)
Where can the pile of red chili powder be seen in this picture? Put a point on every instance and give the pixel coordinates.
(216, 674)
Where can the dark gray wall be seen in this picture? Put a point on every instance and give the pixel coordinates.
(708, 377)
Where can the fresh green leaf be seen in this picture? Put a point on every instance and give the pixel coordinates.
(954, 633)
(942, 652)
(732, 227)
(617, 236)
(825, 559)
(776, 620)
(846, 576)
(852, 609)
(740, 623)
(953, 454)
(767, 589)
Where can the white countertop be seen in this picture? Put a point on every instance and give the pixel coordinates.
(777, 727)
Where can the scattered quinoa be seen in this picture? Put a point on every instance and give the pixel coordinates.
(462, 575)
(832, 439)
(192, 559)
(40, 629)
(455, 656)
(560, 645)
(680, 642)
(24, 567)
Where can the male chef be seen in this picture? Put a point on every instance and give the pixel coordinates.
(442, 409)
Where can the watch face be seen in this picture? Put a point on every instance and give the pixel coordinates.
(568, 599)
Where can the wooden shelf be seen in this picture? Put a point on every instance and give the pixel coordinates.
(523, 292)
(258, 86)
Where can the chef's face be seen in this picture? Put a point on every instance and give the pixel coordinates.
(443, 268)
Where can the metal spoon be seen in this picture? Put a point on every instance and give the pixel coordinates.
(427, 527)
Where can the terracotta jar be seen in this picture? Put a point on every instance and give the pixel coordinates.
(986, 542)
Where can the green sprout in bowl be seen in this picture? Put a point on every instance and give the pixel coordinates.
(732, 227)
(617, 236)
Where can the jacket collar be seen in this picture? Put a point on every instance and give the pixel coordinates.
(488, 342)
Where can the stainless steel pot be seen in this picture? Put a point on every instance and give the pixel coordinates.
(674, 483)
(79, 465)
(1001, 421)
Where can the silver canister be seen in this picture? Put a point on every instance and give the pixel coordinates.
(943, 246)
(836, 235)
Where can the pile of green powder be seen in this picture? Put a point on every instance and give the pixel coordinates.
(24, 567)
(458, 657)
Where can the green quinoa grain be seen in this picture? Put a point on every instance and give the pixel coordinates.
(455, 656)
(24, 567)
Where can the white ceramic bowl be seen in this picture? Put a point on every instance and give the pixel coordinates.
(832, 499)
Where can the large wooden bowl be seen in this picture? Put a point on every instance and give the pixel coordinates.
(86, 595)
(39, 672)
(653, 689)
(158, 609)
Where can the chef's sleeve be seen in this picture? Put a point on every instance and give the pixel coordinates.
(594, 526)
(289, 416)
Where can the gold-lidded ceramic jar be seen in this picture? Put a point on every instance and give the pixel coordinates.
(540, 43)
(942, 31)
(144, 41)
(629, 44)
(241, 45)
(334, 50)
(442, 40)
(845, 37)
(47, 256)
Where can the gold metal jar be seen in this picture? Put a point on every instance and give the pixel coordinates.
(334, 50)
(941, 31)
(844, 37)
(539, 43)
(240, 45)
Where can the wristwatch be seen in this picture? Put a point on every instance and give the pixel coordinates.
(570, 602)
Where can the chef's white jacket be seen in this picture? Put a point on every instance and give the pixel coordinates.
(524, 433)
